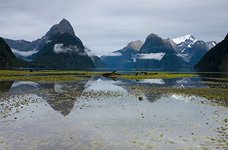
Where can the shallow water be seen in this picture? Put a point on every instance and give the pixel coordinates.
(101, 113)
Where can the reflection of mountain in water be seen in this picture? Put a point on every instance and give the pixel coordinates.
(155, 95)
(176, 82)
(62, 96)
(215, 80)
(5, 86)
(24, 87)
(101, 84)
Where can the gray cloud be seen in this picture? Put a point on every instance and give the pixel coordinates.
(104, 26)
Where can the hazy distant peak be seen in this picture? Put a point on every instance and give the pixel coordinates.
(135, 45)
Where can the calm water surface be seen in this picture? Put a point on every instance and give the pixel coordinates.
(100, 113)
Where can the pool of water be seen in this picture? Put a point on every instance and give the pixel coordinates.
(101, 113)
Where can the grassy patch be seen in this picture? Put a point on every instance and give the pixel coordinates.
(48, 78)
(46, 72)
(160, 75)
(59, 75)
(43, 75)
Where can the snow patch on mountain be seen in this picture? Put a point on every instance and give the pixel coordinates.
(156, 56)
(19, 83)
(211, 44)
(186, 57)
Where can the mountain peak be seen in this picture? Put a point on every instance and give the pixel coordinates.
(64, 26)
(63, 20)
(135, 45)
(153, 36)
(155, 44)
(182, 39)
(153, 39)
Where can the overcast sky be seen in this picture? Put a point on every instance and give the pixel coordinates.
(108, 25)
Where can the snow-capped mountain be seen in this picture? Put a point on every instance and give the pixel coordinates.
(191, 49)
(188, 40)
(185, 42)
(182, 39)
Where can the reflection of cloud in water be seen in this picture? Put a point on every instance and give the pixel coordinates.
(190, 82)
(27, 83)
(58, 88)
(21, 87)
(152, 81)
(104, 86)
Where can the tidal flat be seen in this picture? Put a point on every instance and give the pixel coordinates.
(137, 110)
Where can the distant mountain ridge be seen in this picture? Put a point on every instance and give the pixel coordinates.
(61, 48)
(158, 53)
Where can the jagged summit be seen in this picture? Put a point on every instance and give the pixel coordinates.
(135, 45)
(182, 39)
(63, 21)
(64, 26)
